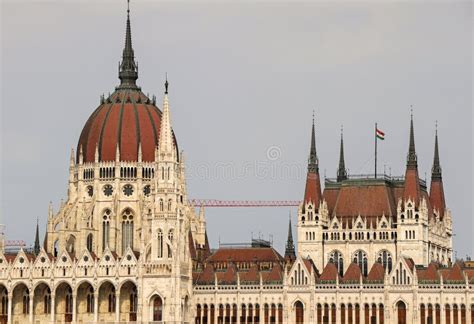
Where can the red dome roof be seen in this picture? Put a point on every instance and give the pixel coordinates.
(126, 118)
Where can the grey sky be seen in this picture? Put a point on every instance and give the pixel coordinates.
(243, 78)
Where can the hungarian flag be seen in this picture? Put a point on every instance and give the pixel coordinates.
(380, 135)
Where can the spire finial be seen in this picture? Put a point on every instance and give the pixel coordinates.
(313, 157)
(412, 158)
(290, 246)
(436, 169)
(341, 171)
(166, 83)
(128, 68)
(37, 247)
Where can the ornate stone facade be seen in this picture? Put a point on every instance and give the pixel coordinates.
(126, 246)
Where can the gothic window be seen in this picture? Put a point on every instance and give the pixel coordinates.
(170, 244)
(160, 243)
(106, 228)
(128, 190)
(26, 302)
(90, 300)
(385, 258)
(90, 191)
(127, 229)
(146, 190)
(47, 301)
(169, 204)
(108, 190)
(336, 258)
(360, 258)
(89, 242)
(310, 215)
(161, 205)
(70, 244)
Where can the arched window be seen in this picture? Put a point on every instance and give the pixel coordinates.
(160, 243)
(47, 301)
(170, 244)
(106, 228)
(299, 312)
(161, 205)
(360, 258)
(70, 244)
(133, 301)
(385, 258)
(127, 229)
(89, 242)
(169, 204)
(90, 300)
(336, 258)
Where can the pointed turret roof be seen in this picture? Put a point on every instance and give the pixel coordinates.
(128, 69)
(412, 181)
(290, 246)
(37, 246)
(341, 171)
(313, 183)
(165, 143)
(437, 198)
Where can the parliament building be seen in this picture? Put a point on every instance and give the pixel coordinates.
(127, 246)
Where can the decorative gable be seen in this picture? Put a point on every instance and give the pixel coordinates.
(402, 273)
(300, 273)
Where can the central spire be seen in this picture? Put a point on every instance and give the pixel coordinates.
(128, 69)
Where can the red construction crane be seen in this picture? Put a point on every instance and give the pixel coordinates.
(15, 243)
(243, 203)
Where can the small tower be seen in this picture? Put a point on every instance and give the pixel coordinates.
(290, 254)
(312, 212)
(436, 190)
(341, 170)
(412, 210)
(37, 246)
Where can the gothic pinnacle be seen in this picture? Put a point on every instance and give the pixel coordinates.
(341, 171)
(128, 69)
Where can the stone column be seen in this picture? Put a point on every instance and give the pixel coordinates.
(451, 314)
(31, 312)
(117, 306)
(96, 305)
(74, 306)
(53, 307)
(9, 311)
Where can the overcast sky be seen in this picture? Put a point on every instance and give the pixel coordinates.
(244, 80)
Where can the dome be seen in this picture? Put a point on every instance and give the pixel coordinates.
(126, 119)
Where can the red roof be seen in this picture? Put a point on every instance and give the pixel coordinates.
(312, 191)
(376, 273)
(455, 274)
(430, 273)
(126, 119)
(437, 197)
(412, 186)
(352, 273)
(365, 200)
(245, 254)
(329, 272)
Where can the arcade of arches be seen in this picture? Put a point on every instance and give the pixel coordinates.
(62, 303)
(330, 314)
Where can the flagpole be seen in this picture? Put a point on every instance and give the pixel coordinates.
(375, 133)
